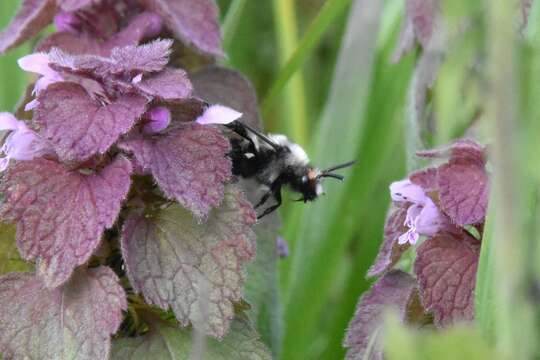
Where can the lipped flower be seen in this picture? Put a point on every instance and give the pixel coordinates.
(423, 217)
(158, 118)
(21, 144)
(38, 63)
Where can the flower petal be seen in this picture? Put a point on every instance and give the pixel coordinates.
(37, 63)
(218, 114)
(159, 118)
(429, 221)
(404, 190)
(8, 121)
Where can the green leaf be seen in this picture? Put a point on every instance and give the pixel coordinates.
(401, 343)
(167, 342)
(10, 261)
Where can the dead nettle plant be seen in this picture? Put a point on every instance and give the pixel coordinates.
(115, 173)
(436, 217)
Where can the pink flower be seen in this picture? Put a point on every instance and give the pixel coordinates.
(218, 114)
(423, 217)
(21, 144)
(38, 63)
(158, 119)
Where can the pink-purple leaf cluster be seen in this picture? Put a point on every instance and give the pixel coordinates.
(432, 214)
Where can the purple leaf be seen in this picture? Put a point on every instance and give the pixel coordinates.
(70, 43)
(177, 262)
(78, 126)
(393, 290)
(425, 178)
(151, 57)
(463, 183)
(74, 321)
(61, 213)
(390, 251)
(446, 269)
(189, 164)
(167, 85)
(74, 5)
(32, 16)
(196, 22)
(228, 87)
(143, 26)
(463, 192)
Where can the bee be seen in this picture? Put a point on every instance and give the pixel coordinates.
(274, 161)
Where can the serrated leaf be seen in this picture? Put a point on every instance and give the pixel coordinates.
(32, 16)
(189, 164)
(167, 85)
(177, 262)
(60, 213)
(392, 291)
(166, 342)
(70, 322)
(463, 191)
(79, 127)
(150, 57)
(195, 22)
(446, 270)
(218, 85)
(390, 250)
(10, 259)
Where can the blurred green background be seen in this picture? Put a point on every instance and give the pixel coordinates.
(348, 100)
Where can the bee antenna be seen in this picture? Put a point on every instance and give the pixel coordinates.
(340, 166)
(333, 176)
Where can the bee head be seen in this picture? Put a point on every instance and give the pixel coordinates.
(312, 180)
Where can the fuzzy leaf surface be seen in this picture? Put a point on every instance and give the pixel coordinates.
(79, 127)
(189, 164)
(147, 58)
(167, 85)
(195, 22)
(393, 290)
(177, 262)
(70, 322)
(165, 342)
(32, 16)
(446, 270)
(60, 213)
(390, 250)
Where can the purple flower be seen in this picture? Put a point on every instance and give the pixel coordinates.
(218, 114)
(158, 120)
(282, 247)
(21, 144)
(423, 217)
(38, 63)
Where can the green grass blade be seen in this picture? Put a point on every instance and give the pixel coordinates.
(12, 79)
(324, 225)
(293, 114)
(327, 15)
(230, 23)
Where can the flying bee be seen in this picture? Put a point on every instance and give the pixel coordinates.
(274, 161)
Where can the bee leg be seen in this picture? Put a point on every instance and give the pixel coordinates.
(264, 199)
(271, 209)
